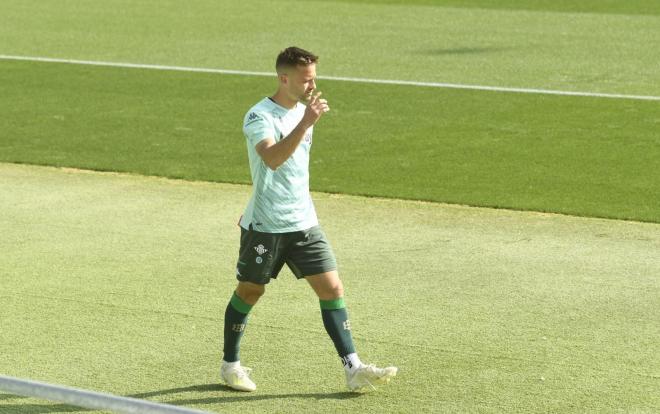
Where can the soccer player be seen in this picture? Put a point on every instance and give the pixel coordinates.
(280, 225)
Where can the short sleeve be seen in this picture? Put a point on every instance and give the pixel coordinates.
(257, 127)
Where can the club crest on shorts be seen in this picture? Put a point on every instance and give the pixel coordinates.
(260, 249)
(259, 260)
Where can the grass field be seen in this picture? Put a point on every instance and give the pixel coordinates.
(634, 7)
(599, 52)
(118, 282)
(575, 155)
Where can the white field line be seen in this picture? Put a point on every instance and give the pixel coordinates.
(335, 78)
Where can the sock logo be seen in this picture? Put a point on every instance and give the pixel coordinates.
(347, 325)
(238, 327)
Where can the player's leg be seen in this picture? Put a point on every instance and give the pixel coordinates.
(232, 372)
(312, 258)
(236, 316)
(330, 291)
(258, 262)
(359, 377)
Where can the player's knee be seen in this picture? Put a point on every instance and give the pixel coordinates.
(330, 292)
(338, 290)
(250, 292)
(251, 297)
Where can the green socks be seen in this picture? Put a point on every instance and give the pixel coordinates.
(333, 312)
(335, 320)
(236, 316)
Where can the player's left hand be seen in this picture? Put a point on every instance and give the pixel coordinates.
(315, 108)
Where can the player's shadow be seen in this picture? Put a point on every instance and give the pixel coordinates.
(227, 395)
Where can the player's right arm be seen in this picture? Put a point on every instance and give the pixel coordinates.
(274, 153)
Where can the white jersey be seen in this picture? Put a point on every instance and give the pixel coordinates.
(280, 201)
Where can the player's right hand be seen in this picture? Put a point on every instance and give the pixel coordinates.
(315, 108)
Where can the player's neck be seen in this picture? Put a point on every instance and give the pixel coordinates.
(282, 99)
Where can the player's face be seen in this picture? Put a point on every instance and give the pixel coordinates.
(302, 82)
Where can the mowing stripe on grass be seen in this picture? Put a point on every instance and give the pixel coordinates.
(335, 78)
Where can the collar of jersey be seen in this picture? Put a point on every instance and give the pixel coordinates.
(279, 107)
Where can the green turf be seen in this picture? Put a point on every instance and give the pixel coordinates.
(524, 48)
(651, 7)
(118, 283)
(575, 155)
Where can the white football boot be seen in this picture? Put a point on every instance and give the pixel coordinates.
(237, 376)
(364, 377)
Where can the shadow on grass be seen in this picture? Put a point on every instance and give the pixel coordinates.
(241, 395)
(236, 396)
(228, 396)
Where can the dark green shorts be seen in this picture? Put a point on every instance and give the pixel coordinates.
(262, 255)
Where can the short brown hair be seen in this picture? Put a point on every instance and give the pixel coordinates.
(294, 56)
